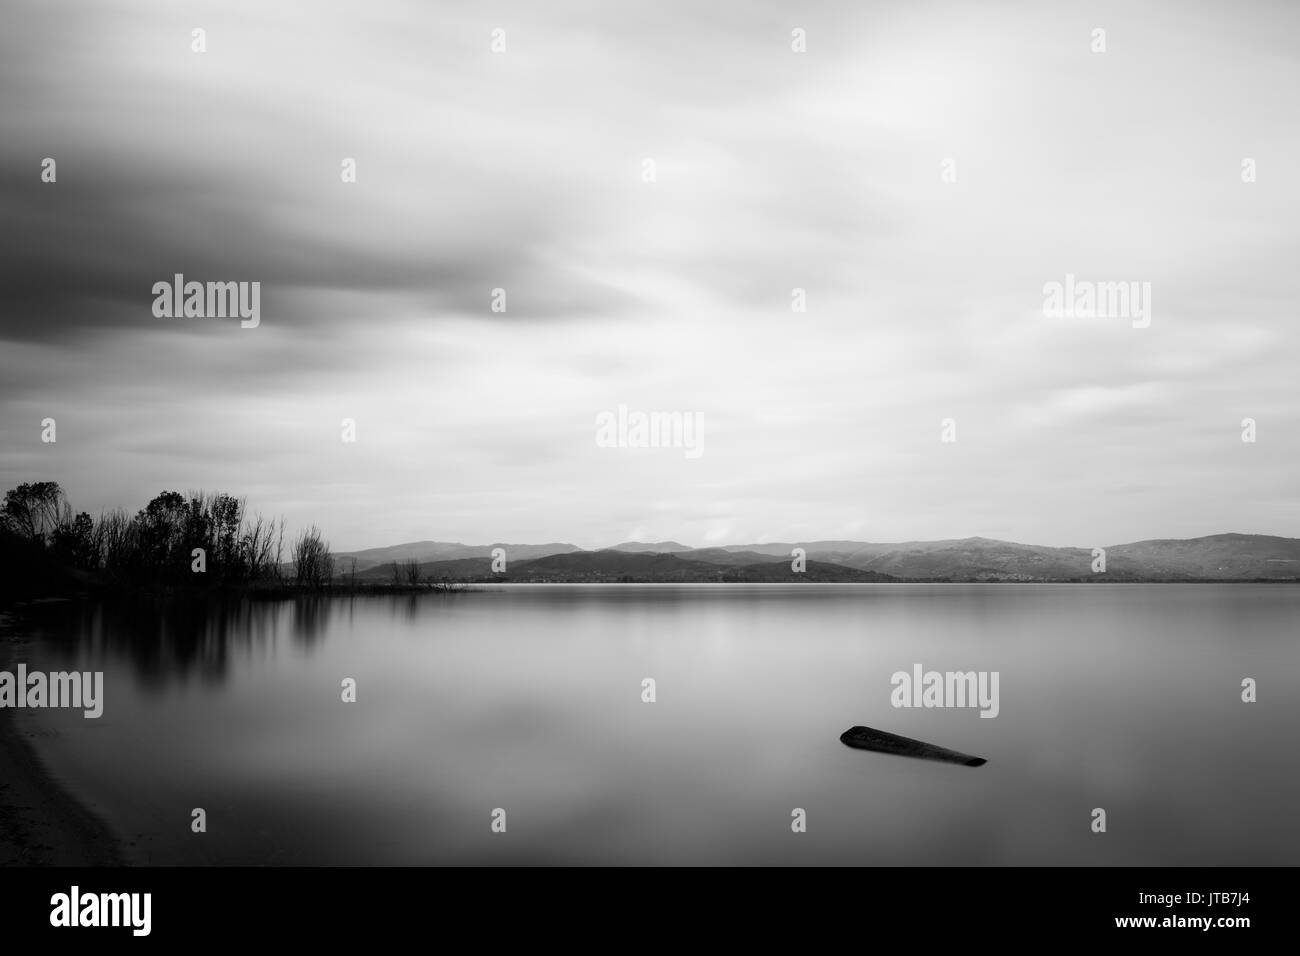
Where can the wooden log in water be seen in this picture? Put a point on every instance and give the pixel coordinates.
(868, 738)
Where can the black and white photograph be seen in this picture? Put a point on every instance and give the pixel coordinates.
(728, 436)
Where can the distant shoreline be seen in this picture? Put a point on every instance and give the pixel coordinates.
(1215, 559)
(207, 544)
(481, 583)
(41, 823)
(474, 583)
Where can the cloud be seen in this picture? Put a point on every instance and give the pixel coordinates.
(774, 171)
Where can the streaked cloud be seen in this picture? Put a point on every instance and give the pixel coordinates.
(774, 171)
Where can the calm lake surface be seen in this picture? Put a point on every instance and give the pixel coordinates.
(528, 698)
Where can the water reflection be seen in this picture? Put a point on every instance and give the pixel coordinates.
(168, 638)
(529, 698)
(160, 639)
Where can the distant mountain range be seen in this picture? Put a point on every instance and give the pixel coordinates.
(1221, 557)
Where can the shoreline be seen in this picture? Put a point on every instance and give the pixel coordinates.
(41, 823)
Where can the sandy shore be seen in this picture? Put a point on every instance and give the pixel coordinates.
(40, 823)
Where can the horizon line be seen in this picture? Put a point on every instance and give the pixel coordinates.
(797, 542)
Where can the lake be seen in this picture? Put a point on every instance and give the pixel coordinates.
(529, 699)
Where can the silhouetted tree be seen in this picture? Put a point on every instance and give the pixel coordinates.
(313, 565)
(78, 543)
(155, 545)
(412, 570)
(35, 511)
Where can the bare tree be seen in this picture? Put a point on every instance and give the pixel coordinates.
(313, 565)
(118, 534)
(79, 542)
(279, 548)
(35, 511)
(258, 545)
(412, 569)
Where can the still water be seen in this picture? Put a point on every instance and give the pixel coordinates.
(529, 699)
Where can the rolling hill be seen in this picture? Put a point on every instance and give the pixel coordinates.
(1225, 557)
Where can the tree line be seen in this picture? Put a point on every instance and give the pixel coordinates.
(197, 539)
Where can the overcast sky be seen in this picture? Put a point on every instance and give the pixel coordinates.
(775, 170)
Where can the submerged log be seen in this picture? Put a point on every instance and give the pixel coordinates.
(868, 738)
